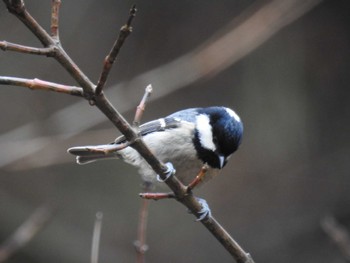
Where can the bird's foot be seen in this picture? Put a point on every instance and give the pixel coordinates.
(167, 174)
(205, 212)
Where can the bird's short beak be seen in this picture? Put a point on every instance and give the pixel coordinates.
(222, 160)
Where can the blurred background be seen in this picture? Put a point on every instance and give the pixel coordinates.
(282, 65)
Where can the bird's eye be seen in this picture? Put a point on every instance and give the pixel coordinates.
(215, 140)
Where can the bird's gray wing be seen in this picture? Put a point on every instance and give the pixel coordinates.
(108, 150)
(187, 115)
(162, 124)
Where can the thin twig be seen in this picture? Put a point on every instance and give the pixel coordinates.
(25, 232)
(55, 8)
(140, 243)
(156, 196)
(110, 58)
(142, 106)
(37, 84)
(17, 8)
(48, 51)
(96, 236)
(104, 149)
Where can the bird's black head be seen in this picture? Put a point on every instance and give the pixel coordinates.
(218, 134)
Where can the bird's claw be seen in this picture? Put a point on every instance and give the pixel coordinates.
(205, 212)
(168, 173)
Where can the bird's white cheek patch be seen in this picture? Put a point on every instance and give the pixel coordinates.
(205, 132)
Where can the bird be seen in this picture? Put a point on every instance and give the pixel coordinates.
(188, 139)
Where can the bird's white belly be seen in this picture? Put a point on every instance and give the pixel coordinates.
(181, 154)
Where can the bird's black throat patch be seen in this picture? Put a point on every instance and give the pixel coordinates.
(206, 155)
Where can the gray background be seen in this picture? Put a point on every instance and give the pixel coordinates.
(291, 171)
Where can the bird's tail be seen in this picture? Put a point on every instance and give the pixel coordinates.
(89, 154)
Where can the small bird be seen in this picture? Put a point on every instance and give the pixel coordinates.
(188, 139)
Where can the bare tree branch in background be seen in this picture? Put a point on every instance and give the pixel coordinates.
(97, 97)
(24, 234)
(109, 60)
(240, 37)
(96, 236)
(338, 234)
(140, 243)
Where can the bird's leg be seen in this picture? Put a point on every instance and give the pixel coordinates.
(189, 188)
(204, 212)
(198, 179)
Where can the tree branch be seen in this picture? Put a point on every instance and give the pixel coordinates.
(100, 100)
(109, 60)
(49, 51)
(96, 237)
(54, 19)
(25, 232)
(37, 84)
(18, 9)
(140, 243)
(142, 106)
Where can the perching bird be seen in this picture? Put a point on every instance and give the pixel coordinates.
(188, 139)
